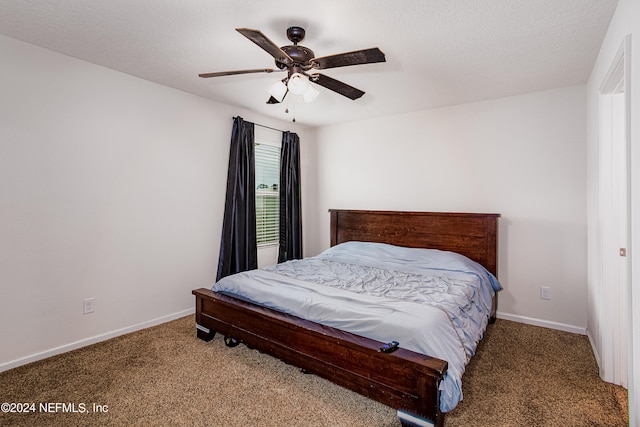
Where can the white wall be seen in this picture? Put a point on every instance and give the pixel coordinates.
(626, 20)
(523, 157)
(111, 187)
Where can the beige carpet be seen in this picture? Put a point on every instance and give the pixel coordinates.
(522, 376)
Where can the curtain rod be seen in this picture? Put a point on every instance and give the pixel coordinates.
(264, 126)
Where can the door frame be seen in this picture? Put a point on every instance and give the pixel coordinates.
(614, 219)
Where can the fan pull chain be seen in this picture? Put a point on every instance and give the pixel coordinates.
(286, 110)
(294, 110)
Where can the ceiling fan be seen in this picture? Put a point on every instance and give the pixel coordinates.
(299, 61)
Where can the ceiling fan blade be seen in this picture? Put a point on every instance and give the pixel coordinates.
(270, 47)
(337, 86)
(364, 56)
(231, 73)
(273, 100)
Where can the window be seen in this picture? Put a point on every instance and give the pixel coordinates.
(267, 158)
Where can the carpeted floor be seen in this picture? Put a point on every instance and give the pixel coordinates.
(521, 376)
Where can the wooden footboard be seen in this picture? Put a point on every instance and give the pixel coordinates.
(404, 379)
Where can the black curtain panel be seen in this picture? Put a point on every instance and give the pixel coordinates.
(290, 201)
(238, 248)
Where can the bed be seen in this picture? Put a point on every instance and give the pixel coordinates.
(409, 379)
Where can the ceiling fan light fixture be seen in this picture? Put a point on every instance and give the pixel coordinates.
(278, 90)
(310, 94)
(298, 84)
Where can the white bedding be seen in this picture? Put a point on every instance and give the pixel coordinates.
(432, 302)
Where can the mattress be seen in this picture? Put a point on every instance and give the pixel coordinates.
(433, 302)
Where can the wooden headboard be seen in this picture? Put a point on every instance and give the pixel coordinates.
(473, 235)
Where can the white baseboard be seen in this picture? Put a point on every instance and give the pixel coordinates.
(92, 340)
(595, 353)
(544, 323)
(102, 337)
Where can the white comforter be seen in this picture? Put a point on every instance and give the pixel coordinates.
(432, 302)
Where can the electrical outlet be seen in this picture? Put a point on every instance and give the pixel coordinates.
(88, 305)
(545, 292)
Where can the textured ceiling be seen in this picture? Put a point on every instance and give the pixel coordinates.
(439, 52)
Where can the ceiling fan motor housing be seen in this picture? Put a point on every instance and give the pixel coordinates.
(301, 56)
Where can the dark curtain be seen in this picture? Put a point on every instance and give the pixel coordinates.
(238, 248)
(290, 204)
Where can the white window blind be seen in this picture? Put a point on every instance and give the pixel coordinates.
(267, 159)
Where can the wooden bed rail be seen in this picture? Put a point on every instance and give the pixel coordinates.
(403, 379)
